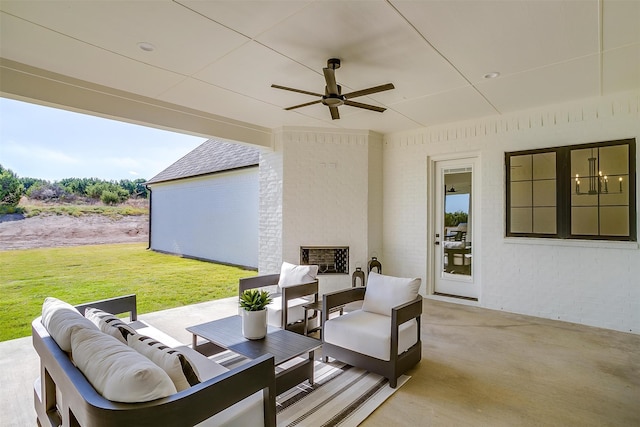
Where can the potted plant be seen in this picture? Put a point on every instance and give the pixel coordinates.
(254, 313)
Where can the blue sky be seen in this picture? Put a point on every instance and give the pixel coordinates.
(52, 144)
(457, 202)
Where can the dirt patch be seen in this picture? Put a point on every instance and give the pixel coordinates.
(17, 232)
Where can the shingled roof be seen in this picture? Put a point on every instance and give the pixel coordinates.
(210, 157)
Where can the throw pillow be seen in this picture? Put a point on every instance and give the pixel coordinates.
(174, 363)
(60, 319)
(385, 292)
(109, 324)
(291, 274)
(117, 372)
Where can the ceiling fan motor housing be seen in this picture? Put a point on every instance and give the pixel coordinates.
(333, 99)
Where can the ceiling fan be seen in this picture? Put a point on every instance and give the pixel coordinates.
(333, 96)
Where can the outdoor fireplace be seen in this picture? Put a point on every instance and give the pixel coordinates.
(329, 259)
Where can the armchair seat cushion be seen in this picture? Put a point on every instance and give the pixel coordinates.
(369, 333)
(295, 314)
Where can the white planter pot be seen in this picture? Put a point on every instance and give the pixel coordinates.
(254, 324)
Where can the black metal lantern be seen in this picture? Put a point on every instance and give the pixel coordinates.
(374, 263)
(358, 274)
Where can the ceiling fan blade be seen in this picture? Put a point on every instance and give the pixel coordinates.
(303, 105)
(334, 113)
(365, 106)
(297, 90)
(330, 78)
(369, 91)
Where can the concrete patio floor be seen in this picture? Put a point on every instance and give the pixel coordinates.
(479, 368)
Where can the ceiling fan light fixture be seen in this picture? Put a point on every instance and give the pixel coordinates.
(333, 100)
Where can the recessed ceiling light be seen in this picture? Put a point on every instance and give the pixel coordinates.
(492, 75)
(147, 47)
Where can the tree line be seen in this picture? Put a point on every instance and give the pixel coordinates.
(12, 188)
(452, 219)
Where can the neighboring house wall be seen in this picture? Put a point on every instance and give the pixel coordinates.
(214, 217)
(321, 188)
(589, 282)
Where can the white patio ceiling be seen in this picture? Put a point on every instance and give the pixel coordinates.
(220, 58)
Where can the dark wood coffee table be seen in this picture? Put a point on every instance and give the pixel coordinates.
(282, 344)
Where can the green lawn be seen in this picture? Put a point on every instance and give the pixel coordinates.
(88, 273)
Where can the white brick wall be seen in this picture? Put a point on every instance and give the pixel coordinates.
(376, 193)
(323, 181)
(590, 283)
(270, 211)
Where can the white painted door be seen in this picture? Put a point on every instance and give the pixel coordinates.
(454, 260)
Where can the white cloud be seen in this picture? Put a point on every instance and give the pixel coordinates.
(35, 152)
(47, 143)
(121, 162)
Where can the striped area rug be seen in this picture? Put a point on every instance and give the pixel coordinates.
(342, 395)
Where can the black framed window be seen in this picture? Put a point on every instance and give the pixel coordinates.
(573, 192)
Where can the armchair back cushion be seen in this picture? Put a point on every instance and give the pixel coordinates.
(291, 274)
(385, 292)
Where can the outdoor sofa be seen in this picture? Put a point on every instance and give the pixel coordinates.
(63, 395)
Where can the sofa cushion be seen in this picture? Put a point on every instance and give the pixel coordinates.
(385, 292)
(109, 324)
(172, 361)
(61, 318)
(144, 328)
(369, 333)
(291, 274)
(204, 367)
(116, 371)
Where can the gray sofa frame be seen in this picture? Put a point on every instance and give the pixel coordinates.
(63, 396)
(398, 363)
(288, 293)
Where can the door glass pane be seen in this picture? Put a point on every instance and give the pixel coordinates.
(456, 245)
